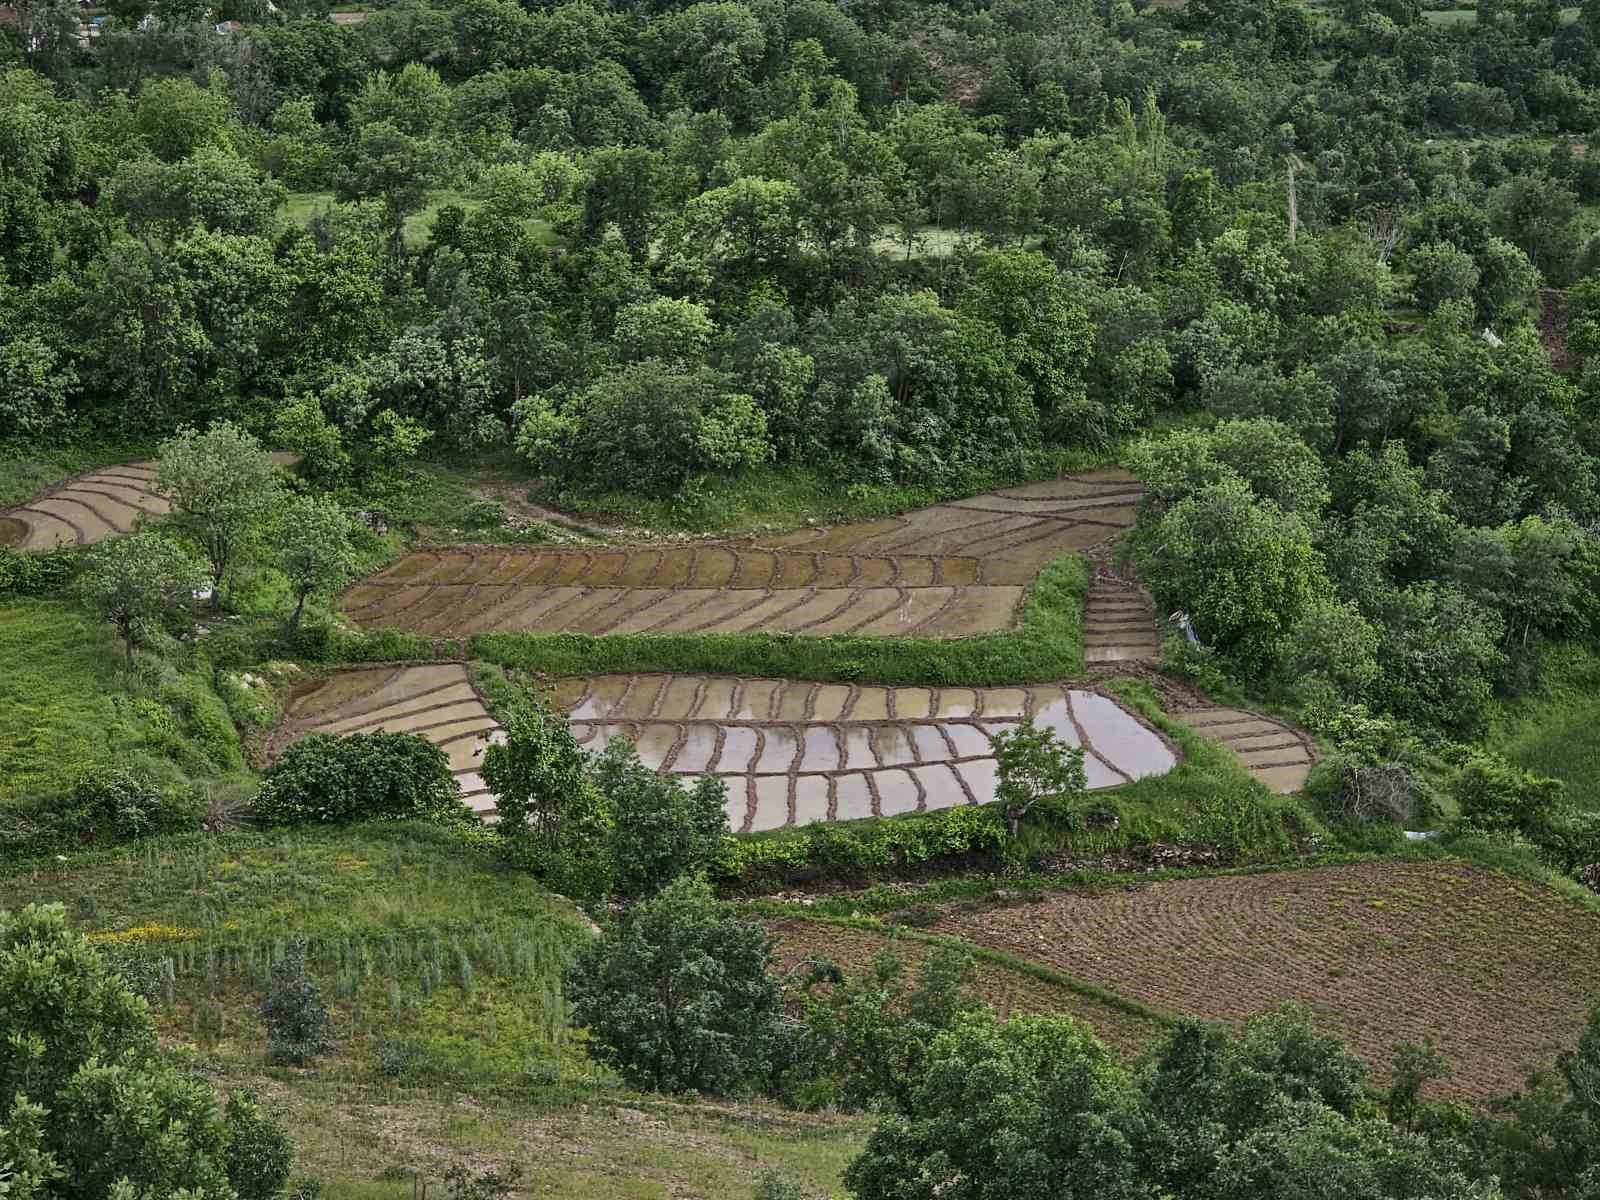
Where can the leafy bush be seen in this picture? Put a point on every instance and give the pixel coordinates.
(661, 829)
(295, 1016)
(361, 776)
(91, 1109)
(127, 804)
(259, 1153)
(1496, 796)
(677, 996)
(947, 834)
(37, 574)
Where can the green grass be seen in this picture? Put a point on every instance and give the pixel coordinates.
(1048, 646)
(783, 497)
(301, 207)
(432, 1061)
(26, 468)
(1554, 730)
(66, 705)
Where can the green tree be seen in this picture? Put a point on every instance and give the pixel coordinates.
(134, 582)
(87, 1108)
(1243, 569)
(1030, 1109)
(315, 550)
(1047, 332)
(1035, 767)
(223, 487)
(552, 816)
(1441, 272)
(676, 994)
(661, 828)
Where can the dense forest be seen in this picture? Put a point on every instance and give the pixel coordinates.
(647, 246)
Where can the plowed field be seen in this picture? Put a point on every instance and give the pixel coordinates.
(945, 571)
(89, 508)
(1007, 990)
(1500, 973)
(791, 753)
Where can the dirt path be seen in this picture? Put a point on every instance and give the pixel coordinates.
(790, 753)
(89, 508)
(947, 571)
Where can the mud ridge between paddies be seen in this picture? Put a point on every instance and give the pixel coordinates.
(91, 507)
(947, 571)
(791, 753)
(1499, 973)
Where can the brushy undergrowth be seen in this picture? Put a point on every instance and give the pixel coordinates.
(438, 964)
(1552, 731)
(67, 706)
(785, 496)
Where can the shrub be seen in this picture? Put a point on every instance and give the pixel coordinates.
(661, 829)
(361, 776)
(1494, 795)
(259, 1154)
(295, 1016)
(897, 843)
(775, 1185)
(86, 1096)
(115, 799)
(677, 996)
(37, 574)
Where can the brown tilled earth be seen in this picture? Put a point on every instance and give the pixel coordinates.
(789, 752)
(946, 571)
(1008, 991)
(89, 508)
(1498, 972)
(84, 509)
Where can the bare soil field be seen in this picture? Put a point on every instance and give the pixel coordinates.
(1499, 972)
(1010, 992)
(791, 753)
(89, 508)
(947, 571)
(84, 509)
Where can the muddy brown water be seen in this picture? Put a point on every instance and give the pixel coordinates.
(789, 753)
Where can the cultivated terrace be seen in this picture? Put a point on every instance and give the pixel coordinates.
(799, 600)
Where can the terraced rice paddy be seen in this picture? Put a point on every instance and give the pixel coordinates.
(1500, 973)
(947, 571)
(84, 509)
(1277, 754)
(89, 508)
(790, 753)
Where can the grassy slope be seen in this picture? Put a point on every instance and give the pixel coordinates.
(1553, 731)
(785, 497)
(434, 1059)
(66, 705)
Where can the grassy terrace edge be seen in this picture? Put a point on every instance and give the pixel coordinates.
(1047, 646)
